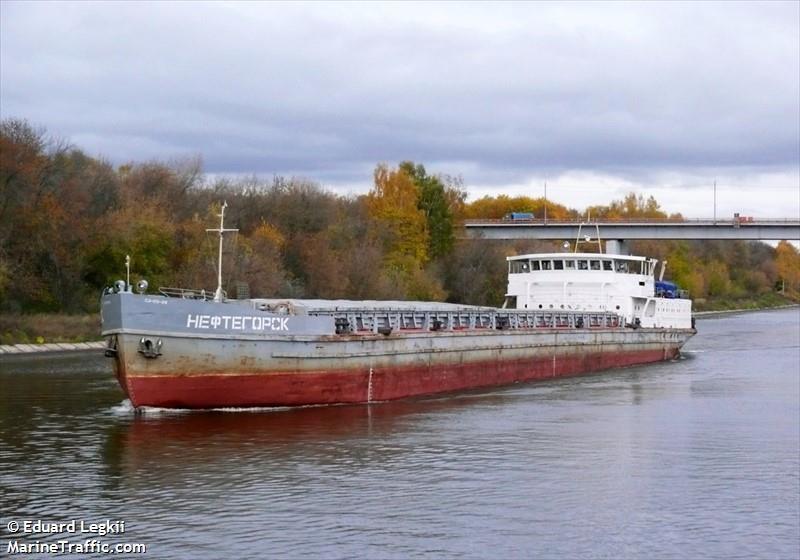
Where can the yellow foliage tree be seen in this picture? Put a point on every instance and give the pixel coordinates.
(686, 270)
(787, 261)
(631, 207)
(495, 207)
(718, 282)
(259, 264)
(397, 220)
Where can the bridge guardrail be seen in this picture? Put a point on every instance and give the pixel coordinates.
(742, 222)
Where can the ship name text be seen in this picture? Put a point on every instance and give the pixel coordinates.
(237, 322)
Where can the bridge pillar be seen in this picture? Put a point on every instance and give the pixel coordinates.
(617, 247)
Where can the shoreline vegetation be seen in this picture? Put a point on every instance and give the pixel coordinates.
(69, 220)
(45, 328)
(769, 300)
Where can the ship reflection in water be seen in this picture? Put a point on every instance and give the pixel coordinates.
(169, 440)
(693, 458)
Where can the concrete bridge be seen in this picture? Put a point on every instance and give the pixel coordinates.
(737, 228)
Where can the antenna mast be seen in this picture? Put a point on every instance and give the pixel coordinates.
(218, 294)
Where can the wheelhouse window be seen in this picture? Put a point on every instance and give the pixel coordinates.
(535, 265)
(583, 265)
(558, 265)
(519, 267)
(607, 265)
(569, 265)
(595, 265)
(546, 265)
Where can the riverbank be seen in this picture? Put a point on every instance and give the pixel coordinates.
(47, 328)
(707, 314)
(769, 300)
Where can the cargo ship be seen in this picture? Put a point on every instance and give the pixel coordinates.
(564, 314)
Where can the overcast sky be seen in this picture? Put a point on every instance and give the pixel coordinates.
(595, 99)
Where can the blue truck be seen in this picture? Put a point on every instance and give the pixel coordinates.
(519, 216)
(667, 289)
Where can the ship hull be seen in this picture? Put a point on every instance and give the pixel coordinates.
(214, 373)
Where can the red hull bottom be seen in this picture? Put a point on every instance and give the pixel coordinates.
(350, 386)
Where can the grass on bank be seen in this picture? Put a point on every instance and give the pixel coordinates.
(761, 301)
(45, 327)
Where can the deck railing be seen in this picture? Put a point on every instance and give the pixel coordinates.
(188, 293)
(385, 321)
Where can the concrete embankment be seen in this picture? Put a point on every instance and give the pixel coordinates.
(13, 349)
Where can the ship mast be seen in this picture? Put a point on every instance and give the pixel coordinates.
(218, 294)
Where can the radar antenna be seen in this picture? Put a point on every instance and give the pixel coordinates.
(588, 238)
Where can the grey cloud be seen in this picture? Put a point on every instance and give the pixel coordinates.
(512, 90)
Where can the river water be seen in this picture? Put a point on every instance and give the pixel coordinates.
(693, 458)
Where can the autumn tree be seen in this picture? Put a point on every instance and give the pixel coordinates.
(685, 270)
(787, 261)
(393, 207)
(360, 254)
(496, 207)
(633, 206)
(477, 273)
(717, 278)
(193, 256)
(259, 263)
(51, 197)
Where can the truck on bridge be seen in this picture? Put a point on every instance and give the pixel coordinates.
(519, 216)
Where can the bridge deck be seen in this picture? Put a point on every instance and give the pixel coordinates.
(744, 228)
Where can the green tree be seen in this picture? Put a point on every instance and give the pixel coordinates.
(146, 233)
(435, 203)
